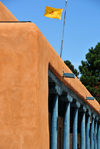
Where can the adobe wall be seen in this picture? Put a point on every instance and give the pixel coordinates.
(25, 56)
(18, 87)
(5, 14)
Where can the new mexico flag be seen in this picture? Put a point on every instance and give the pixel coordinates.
(53, 12)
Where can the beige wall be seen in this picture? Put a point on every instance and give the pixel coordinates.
(5, 14)
(25, 56)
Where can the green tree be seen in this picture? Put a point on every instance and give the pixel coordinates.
(90, 71)
(68, 63)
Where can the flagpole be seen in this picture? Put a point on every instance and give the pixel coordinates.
(63, 29)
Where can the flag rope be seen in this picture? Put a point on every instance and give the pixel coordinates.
(63, 29)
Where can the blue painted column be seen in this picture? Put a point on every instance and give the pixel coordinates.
(95, 135)
(83, 130)
(75, 128)
(98, 144)
(66, 136)
(54, 122)
(66, 139)
(92, 132)
(87, 132)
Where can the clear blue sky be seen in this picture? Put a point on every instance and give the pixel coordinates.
(82, 27)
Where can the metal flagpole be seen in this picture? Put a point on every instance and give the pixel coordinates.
(63, 29)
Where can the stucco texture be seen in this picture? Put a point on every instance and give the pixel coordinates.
(5, 14)
(25, 57)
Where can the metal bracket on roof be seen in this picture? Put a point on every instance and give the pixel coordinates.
(68, 75)
(89, 98)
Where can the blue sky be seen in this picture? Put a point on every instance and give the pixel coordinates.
(82, 27)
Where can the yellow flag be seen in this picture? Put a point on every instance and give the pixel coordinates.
(53, 12)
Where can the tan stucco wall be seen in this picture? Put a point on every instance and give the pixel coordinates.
(25, 56)
(18, 87)
(5, 14)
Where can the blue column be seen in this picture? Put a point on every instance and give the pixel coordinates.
(83, 131)
(54, 122)
(95, 136)
(92, 133)
(75, 128)
(98, 145)
(87, 132)
(66, 139)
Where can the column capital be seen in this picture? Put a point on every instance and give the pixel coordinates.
(99, 120)
(66, 98)
(69, 97)
(58, 89)
(93, 116)
(82, 108)
(96, 118)
(88, 113)
(76, 104)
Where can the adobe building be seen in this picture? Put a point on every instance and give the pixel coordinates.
(39, 107)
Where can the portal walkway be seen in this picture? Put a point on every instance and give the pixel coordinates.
(77, 116)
